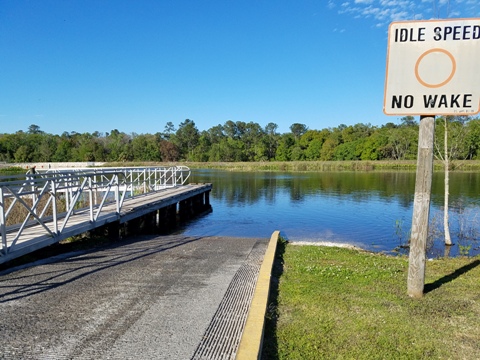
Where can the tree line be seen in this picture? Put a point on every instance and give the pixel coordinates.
(242, 141)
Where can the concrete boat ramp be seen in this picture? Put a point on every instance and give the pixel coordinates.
(147, 297)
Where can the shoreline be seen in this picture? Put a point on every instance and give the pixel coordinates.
(326, 244)
(270, 166)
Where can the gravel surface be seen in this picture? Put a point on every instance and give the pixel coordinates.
(152, 298)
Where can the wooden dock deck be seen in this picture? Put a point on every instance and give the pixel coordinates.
(155, 209)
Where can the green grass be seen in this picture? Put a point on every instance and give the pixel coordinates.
(7, 170)
(333, 303)
(305, 166)
(297, 166)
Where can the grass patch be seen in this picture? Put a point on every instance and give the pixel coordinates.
(293, 166)
(9, 170)
(308, 166)
(334, 303)
(319, 166)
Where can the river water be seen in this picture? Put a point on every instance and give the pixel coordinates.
(371, 210)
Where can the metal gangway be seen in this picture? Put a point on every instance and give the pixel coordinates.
(48, 200)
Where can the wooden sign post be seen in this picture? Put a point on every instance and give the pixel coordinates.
(432, 69)
(421, 208)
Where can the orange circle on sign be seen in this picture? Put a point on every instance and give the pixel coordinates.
(454, 68)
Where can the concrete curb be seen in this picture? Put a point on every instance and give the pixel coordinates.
(251, 342)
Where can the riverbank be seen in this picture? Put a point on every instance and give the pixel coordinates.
(288, 166)
(318, 166)
(329, 302)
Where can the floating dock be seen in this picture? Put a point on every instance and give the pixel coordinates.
(40, 209)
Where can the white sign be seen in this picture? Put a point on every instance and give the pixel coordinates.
(433, 68)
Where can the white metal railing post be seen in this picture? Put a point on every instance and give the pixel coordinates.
(149, 179)
(153, 174)
(144, 181)
(90, 197)
(129, 181)
(3, 225)
(71, 193)
(148, 174)
(95, 182)
(54, 206)
(67, 193)
(117, 193)
(34, 195)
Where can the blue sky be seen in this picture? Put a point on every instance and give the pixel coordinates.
(99, 65)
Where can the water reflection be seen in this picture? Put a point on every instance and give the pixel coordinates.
(361, 208)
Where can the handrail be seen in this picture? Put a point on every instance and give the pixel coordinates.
(50, 198)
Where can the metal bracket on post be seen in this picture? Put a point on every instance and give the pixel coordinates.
(421, 208)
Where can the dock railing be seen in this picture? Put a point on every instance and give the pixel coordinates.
(50, 198)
